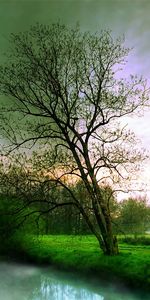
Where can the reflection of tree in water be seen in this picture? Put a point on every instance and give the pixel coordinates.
(53, 289)
(20, 282)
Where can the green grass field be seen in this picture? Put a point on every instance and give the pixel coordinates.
(82, 254)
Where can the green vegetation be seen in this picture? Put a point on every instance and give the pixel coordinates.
(136, 239)
(81, 253)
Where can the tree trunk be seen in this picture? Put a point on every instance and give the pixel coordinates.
(110, 244)
(102, 213)
(107, 241)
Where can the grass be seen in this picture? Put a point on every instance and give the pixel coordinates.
(82, 254)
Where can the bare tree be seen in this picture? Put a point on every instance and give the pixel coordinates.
(62, 87)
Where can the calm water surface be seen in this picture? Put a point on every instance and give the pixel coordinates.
(25, 282)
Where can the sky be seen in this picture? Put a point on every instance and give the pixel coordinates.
(123, 17)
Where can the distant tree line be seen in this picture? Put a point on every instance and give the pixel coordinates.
(34, 205)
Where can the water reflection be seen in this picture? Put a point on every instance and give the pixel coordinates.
(60, 291)
(20, 282)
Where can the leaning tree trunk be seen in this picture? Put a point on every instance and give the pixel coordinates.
(110, 244)
(104, 234)
(102, 214)
(107, 240)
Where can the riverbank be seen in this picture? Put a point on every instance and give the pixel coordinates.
(82, 254)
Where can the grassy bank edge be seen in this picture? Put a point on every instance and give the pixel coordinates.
(82, 255)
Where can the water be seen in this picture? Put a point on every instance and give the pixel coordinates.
(25, 282)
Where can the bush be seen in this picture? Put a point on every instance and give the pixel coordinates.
(136, 240)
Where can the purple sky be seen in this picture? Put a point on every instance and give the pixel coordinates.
(131, 18)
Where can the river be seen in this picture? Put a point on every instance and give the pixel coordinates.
(26, 282)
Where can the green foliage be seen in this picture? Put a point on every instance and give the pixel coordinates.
(16, 220)
(136, 240)
(134, 216)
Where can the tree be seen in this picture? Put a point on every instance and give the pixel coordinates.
(134, 216)
(63, 92)
(15, 213)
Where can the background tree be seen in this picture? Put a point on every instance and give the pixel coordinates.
(63, 89)
(134, 216)
(15, 213)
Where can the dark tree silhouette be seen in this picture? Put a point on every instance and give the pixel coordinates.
(62, 89)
